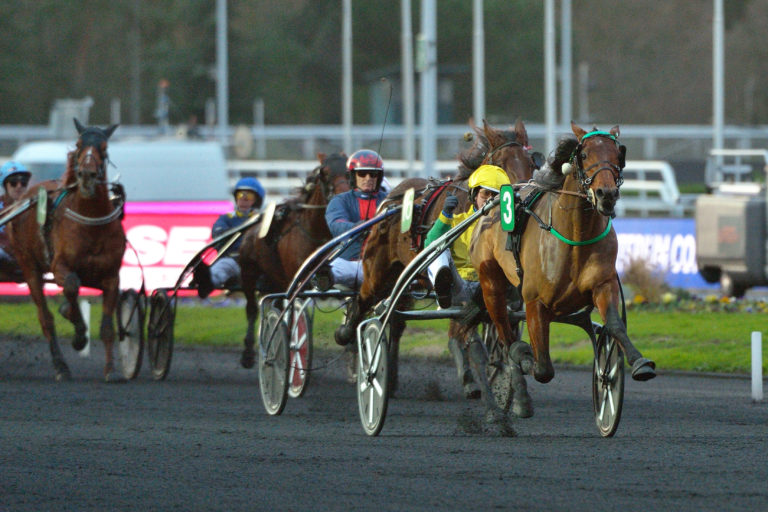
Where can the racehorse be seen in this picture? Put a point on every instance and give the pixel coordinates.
(268, 264)
(387, 251)
(565, 255)
(81, 242)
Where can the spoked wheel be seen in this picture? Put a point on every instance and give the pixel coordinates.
(498, 378)
(162, 314)
(274, 341)
(607, 384)
(373, 377)
(301, 351)
(130, 321)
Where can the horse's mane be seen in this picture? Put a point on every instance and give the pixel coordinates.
(471, 158)
(305, 191)
(550, 176)
(68, 178)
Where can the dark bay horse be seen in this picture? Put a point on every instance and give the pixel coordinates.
(268, 264)
(387, 251)
(81, 242)
(567, 249)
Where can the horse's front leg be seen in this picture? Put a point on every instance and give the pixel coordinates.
(107, 329)
(44, 316)
(70, 309)
(606, 300)
(539, 317)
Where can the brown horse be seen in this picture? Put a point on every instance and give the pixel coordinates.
(82, 242)
(268, 264)
(387, 251)
(566, 258)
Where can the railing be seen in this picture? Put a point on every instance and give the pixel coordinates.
(649, 186)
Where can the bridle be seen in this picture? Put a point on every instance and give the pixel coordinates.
(582, 175)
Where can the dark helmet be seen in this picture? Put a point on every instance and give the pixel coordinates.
(365, 160)
(254, 186)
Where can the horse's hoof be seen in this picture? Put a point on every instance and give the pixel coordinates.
(248, 359)
(472, 391)
(79, 342)
(643, 369)
(63, 375)
(113, 377)
(344, 335)
(497, 423)
(522, 408)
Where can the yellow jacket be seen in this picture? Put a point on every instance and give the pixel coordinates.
(460, 247)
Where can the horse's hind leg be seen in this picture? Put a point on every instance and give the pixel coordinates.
(248, 357)
(495, 417)
(457, 346)
(71, 311)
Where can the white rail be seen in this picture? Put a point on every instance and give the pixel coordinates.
(649, 186)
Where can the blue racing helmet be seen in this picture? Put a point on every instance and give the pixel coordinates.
(10, 168)
(253, 185)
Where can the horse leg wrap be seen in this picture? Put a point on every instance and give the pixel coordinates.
(460, 357)
(478, 362)
(107, 329)
(520, 353)
(522, 406)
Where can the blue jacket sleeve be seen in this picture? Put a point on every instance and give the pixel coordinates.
(338, 217)
(220, 226)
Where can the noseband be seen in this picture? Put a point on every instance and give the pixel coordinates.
(89, 156)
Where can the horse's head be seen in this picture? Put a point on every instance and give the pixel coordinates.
(330, 177)
(508, 149)
(598, 162)
(90, 157)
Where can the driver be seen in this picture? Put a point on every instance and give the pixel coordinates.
(365, 171)
(15, 177)
(453, 277)
(249, 196)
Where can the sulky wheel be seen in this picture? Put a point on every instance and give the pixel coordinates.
(607, 384)
(160, 333)
(301, 351)
(498, 378)
(373, 377)
(274, 341)
(130, 322)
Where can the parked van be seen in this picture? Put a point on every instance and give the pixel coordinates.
(165, 170)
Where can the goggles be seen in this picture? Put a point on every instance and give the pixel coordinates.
(373, 173)
(14, 181)
(247, 194)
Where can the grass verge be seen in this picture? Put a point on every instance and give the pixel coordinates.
(712, 341)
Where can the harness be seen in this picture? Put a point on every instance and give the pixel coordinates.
(421, 212)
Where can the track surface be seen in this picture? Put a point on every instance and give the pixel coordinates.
(202, 441)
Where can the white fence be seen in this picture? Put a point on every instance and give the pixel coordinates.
(649, 188)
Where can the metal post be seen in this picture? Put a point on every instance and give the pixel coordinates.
(346, 74)
(478, 62)
(566, 58)
(428, 86)
(409, 153)
(718, 87)
(222, 85)
(550, 101)
(757, 366)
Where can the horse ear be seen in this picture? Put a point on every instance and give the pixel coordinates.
(615, 131)
(109, 131)
(80, 127)
(578, 131)
(321, 157)
(521, 134)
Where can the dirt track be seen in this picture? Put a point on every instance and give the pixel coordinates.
(202, 441)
